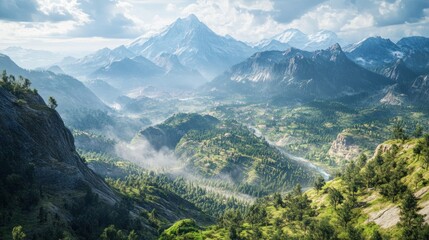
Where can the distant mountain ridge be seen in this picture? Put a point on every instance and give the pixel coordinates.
(296, 73)
(92, 62)
(30, 58)
(188, 54)
(69, 92)
(297, 39)
(375, 52)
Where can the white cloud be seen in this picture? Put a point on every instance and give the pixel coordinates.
(170, 7)
(235, 18)
(246, 20)
(62, 10)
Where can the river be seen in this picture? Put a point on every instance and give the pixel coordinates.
(301, 160)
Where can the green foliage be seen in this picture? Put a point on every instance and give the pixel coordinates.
(418, 132)
(322, 230)
(376, 235)
(143, 186)
(422, 149)
(298, 205)
(412, 223)
(17, 87)
(310, 128)
(335, 197)
(91, 142)
(181, 230)
(319, 183)
(52, 103)
(398, 131)
(256, 214)
(231, 149)
(111, 233)
(18, 233)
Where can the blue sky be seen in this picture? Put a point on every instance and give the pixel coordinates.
(86, 25)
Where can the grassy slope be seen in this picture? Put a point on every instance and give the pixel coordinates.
(370, 201)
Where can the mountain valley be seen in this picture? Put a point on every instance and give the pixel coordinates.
(192, 134)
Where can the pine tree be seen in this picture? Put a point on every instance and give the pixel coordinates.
(319, 183)
(335, 197)
(418, 132)
(133, 235)
(410, 221)
(399, 130)
(52, 103)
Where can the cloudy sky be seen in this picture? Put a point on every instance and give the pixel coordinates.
(79, 26)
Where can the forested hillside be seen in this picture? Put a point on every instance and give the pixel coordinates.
(229, 154)
(48, 192)
(383, 197)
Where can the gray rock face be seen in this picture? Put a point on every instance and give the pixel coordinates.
(344, 147)
(374, 52)
(420, 89)
(32, 132)
(195, 45)
(295, 73)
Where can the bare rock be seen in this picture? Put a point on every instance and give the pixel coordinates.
(344, 147)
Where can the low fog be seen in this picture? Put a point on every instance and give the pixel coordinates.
(141, 152)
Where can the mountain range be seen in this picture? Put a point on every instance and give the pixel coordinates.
(187, 49)
(296, 73)
(297, 39)
(186, 54)
(69, 92)
(30, 58)
(376, 52)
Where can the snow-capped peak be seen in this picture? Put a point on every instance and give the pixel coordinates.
(293, 37)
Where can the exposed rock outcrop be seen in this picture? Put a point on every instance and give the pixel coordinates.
(344, 147)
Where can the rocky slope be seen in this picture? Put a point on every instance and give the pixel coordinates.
(42, 173)
(420, 89)
(196, 46)
(344, 148)
(298, 74)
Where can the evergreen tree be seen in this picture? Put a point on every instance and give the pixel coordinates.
(335, 197)
(410, 221)
(319, 183)
(322, 230)
(376, 235)
(361, 162)
(418, 132)
(111, 233)
(52, 103)
(4, 76)
(133, 235)
(398, 131)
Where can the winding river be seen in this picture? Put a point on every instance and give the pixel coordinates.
(301, 160)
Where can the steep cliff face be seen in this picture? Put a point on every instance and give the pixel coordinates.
(420, 89)
(31, 132)
(46, 187)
